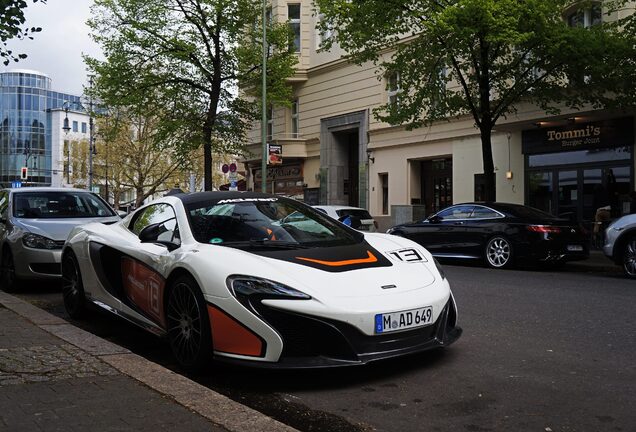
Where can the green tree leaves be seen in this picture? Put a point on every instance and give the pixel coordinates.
(11, 27)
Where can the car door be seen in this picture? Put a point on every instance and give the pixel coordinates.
(143, 264)
(478, 228)
(442, 233)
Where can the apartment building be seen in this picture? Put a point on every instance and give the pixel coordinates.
(336, 152)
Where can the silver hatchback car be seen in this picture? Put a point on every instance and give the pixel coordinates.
(620, 243)
(34, 224)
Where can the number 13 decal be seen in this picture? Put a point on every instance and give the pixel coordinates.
(407, 255)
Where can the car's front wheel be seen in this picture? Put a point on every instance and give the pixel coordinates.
(72, 287)
(8, 278)
(629, 257)
(498, 252)
(188, 324)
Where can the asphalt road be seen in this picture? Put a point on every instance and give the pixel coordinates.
(541, 351)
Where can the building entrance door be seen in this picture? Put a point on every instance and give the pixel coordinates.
(437, 184)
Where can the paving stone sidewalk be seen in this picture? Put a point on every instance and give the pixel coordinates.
(47, 384)
(57, 377)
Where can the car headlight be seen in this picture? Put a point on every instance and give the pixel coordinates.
(245, 287)
(36, 241)
(439, 269)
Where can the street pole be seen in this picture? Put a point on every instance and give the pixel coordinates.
(264, 105)
(90, 136)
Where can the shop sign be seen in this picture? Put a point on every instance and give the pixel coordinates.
(282, 172)
(274, 154)
(582, 136)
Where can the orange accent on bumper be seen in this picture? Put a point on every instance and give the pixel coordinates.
(229, 336)
(369, 259)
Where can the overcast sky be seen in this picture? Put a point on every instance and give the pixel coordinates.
(57, 50)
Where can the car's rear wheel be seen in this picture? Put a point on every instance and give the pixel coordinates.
(498, 252)
(8, 278)
(188, 324)
(629, 257)
(72, 287)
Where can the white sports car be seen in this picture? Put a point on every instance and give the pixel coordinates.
(260, 280)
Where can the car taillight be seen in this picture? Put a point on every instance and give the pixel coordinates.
(543, 229)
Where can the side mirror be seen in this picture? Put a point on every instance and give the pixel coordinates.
(350, 220)
(122, 214)
(150, 233)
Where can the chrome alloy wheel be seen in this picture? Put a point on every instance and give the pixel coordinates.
(629, 257)
(498, 252)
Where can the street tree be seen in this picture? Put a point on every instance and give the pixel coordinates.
(190, 56)
(128, 157)
(12, 27)
(479, 58)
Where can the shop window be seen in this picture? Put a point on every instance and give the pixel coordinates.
(293, 15)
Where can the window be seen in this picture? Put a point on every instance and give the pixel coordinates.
(293, 15)
(326, 34)
(75, 126)
(162, 214)
(84, 127)
(585, 17)
(393, 89)
(270, 122)
(384, 190)
(456, 212)
(294, 119)
(484, 213)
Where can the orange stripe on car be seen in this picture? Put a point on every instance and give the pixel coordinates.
(369, 259)
(230, 336)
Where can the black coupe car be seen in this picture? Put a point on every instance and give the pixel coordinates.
(499, 233)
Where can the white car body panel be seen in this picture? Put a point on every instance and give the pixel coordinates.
(352, 297)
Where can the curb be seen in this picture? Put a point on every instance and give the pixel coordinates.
(218, 409)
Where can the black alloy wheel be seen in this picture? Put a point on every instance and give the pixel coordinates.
(498, 252)
(8, 278)
(72, 287)
(188, 324)
(629, 257)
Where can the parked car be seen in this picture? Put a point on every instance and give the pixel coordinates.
(34, 224)
(260, 280)
(367, 223)
(620, 243)
(498, 233)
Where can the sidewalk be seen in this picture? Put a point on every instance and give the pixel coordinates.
(57, 377)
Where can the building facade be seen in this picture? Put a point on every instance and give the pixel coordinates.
(31, 130)
(336, 152)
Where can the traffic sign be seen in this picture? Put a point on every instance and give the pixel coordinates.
(232, 167)
(225, 168)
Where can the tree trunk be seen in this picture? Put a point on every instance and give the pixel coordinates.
(140, 197)
(207, 157)
(490, 192)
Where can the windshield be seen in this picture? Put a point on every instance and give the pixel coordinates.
(55, 205)
(262, 222)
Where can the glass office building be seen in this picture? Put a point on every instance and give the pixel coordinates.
(26, 102)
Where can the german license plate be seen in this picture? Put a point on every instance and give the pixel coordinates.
(575, 248)
(394, 321)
